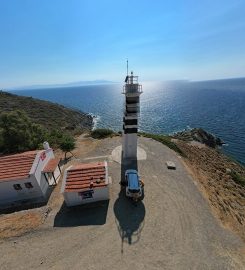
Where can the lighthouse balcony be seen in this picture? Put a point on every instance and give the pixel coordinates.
(125, 126)
(133, 106)
(132, 89)
(129, 126)
(130, 115)
(132, 109)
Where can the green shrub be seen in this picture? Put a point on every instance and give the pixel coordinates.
(101, 133)
(237, 178)
(67, 144)
(1, 141)
(54, 137)
(19, 133)
(164, 139)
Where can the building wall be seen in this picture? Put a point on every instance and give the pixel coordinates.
(130, 145)
(40, 162)
(9, 195)
(74, 198)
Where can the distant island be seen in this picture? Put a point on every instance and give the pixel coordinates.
(70, 84)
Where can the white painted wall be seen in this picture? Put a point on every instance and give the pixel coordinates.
(38, 166)
(9, 195)
(40, 186)
(73, 198)
(130, 145)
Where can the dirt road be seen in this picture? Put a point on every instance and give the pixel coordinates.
(172, 228)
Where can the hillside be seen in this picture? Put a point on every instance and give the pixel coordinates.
(222, 181)
(49, 115)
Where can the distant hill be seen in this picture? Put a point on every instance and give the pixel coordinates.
(79, 83)
(49, 115)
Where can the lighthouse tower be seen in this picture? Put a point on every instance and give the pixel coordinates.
(132, 91)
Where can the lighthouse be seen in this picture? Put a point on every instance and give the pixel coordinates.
(132, 91)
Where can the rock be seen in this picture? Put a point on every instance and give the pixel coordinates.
(199, 135)
(170, 165)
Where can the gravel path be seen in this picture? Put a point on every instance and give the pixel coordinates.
(172, 228)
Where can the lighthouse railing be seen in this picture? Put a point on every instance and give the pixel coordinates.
(132, 89)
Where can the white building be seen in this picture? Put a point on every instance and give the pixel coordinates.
(27, 176)
(132, 90)
(85, 183)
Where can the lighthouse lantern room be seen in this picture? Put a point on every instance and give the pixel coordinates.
(132, 91)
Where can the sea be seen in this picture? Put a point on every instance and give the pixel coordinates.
(166, 107)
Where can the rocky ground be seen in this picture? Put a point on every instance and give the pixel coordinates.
(214, 170)
(172, 228)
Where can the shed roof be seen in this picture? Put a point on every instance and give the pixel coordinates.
(51, 165)
(17, 166)
(86, 176)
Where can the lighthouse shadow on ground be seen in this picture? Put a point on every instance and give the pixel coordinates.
(129, 215)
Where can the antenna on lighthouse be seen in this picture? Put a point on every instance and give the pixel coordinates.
(126, 79)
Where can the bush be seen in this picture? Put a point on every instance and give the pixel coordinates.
(164, 139)
(1, 141)
(67, 144)
(101, 133)
(19, 133)
(55, 137)
(237, 178)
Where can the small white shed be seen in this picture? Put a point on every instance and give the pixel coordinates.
(27, 176)
(85, 183)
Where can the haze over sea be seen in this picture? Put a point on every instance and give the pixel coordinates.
(217, 106)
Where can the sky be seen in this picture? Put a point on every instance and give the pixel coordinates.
(61, 41)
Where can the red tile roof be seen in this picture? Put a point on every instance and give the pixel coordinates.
(86, 176)
(51, 165)
(15, 167)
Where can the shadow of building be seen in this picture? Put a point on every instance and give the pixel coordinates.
(129, 215)
(82, 215)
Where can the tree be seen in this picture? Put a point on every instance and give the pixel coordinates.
(19, 133)
(67, 144)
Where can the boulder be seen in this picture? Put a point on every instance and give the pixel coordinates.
(199, 135)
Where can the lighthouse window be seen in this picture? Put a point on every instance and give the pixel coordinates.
(17, 186)
(28, 185)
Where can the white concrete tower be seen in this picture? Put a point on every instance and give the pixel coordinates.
(132, 91)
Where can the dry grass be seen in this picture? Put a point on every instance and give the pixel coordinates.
(226, 196)
(19, 223)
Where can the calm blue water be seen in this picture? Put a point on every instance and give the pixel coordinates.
(217, 106)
